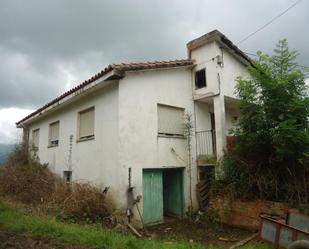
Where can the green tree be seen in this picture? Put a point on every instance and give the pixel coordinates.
(272, 155)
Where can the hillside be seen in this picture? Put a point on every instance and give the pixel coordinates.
(5, 149)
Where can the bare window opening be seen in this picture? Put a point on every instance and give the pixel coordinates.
(200, 78)
(67, 175)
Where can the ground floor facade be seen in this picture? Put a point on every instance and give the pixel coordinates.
(150, 175)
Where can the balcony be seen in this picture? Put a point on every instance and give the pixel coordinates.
(206, 146)
(206, 143)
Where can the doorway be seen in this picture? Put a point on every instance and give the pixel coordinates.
(206, 178)
(162, 194)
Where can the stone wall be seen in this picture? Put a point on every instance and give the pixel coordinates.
(245, 214)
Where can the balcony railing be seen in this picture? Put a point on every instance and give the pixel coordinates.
(206, 142)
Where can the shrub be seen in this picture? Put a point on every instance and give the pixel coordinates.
(271, 159)
(25, 180)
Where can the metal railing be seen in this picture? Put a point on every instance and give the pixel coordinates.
(206, 142)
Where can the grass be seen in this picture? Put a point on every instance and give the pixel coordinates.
(14, 221)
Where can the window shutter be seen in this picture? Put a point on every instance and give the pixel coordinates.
(170, 120)
(54, 132)
(35, 138)
(86, 123)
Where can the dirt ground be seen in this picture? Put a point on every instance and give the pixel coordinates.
(197, 232)
(22, 241)
(203, 233)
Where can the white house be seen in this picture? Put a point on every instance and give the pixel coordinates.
(124, 127)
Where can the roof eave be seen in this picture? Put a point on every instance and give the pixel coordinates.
(110, 73)
(110, 76)
(217, 36)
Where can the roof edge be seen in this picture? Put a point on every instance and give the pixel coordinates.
(119, 69)
(216, 35)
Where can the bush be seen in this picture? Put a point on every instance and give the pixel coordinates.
(271, 159)
(25, 180)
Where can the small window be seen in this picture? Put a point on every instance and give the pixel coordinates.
(86, 124)
(67, 175)
(35, 139)
(200, 78)
(170, 120)
(53, 134)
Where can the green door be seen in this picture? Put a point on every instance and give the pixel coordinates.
(173, 192)
(152, 196)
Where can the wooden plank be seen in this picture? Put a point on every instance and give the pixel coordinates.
(244, 241)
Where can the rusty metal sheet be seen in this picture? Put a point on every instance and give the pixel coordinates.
(299, 221)
(279, 233)
(285, 237)
(268, 231)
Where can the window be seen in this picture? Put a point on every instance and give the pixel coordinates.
(35, 139)
(200, 78)
(86, 124)
(67, 175)
(170, 120)
(53, 134)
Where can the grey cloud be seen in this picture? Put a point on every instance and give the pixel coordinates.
(46, 46)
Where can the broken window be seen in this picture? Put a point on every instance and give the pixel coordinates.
(86, 124)
(35, 139)
(170, 120)
(53, 134)
(200, 78)
(67, 175)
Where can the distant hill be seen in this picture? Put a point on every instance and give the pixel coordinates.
(5, 149)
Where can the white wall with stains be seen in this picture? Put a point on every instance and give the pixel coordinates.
(93, 160)
(126, 125)
(140, 145)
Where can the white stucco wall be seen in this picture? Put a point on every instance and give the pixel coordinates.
(126, 133)
(126, 125)
(93, 160)
(232, 68)
(205, 58)
(202, 112)
(140, 146)
(221, 82)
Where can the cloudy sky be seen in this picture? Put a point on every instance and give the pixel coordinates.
(46, 47)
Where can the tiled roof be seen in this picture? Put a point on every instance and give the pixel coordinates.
(123, 67)
(152, 65)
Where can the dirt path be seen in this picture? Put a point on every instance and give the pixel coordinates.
(196, 232)
(21, 241)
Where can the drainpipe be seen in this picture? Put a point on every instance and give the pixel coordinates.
(130, 198)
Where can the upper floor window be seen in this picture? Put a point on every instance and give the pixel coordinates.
(200, 78)
(86, 124)
(170, 120)
(35, 139)
(53, 134)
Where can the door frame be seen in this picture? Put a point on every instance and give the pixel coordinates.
(182, 191)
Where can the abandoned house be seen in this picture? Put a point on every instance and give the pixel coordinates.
(124, 127)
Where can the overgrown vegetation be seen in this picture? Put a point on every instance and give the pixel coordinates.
(25, 180)
(271, 159)
(12, 220)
